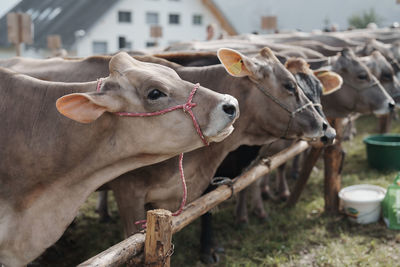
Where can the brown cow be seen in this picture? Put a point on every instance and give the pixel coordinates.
(50, 164)
(384, 72)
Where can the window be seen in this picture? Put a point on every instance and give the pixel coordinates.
(174, 19)
(124, 16)
(123, 43)
(152, 18)
(99, 47)
(197, 19)
(150, 44)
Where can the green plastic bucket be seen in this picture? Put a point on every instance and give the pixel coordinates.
(383, 151)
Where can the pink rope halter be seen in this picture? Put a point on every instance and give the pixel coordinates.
(187, 108)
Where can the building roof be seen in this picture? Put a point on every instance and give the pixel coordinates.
(66, 17)
(62, 17)
(217, 12)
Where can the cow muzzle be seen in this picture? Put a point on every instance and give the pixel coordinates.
(221, 119)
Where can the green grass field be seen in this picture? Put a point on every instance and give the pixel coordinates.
(301, 236)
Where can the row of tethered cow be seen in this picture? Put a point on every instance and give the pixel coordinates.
(70, 126)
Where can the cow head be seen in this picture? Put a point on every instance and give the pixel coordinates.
(361, 91)
(390, 51)
(314, 84)
(384, 72)
(140, 87)
(277, 95)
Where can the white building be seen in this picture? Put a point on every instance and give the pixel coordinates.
(88, 27)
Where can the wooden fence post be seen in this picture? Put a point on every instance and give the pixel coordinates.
(333, 159)
(385, 123)
(157, 248)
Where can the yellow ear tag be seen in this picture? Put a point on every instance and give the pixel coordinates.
(236, 68)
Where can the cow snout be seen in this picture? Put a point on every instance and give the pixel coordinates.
(229, 109)
(221, 119)
(391, 105)
(329, 134)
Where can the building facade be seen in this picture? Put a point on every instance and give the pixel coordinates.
(127, 25)
(90, 27)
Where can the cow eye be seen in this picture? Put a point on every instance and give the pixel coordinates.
(155, 94)
(363, 76)
(291, 86)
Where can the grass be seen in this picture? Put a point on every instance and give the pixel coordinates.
(301, 236)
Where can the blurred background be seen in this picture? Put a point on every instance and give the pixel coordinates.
(87, 27)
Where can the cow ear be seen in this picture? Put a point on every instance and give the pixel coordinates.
(331, 81)
(235, 63)
(85, 108)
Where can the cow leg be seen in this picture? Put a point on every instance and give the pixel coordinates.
(265, 188)
(209, 249)
(129, 211)
(281, 183)
(385, 123)
(241, 208)
(102, 206)
(296, 167)
(256, 201)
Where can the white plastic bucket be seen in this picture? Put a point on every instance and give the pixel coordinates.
(362, 203)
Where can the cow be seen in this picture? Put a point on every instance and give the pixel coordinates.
(383, 71)
(359, 93)
(61, 141)
(390, 51)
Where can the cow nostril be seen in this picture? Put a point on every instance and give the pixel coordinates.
(229, 109)
(324, 139)
(391, 105)
(324, 126)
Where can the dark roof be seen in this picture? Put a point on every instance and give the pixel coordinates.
(62, 17)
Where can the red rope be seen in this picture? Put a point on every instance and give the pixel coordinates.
(187, 108)
(184, 197)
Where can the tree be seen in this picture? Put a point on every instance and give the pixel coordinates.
(361, 21)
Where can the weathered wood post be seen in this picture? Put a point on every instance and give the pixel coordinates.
(157, 248)
(333, 159)
(309, 164)
(385, 123)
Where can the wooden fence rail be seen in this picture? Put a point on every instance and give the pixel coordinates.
(133, 246)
